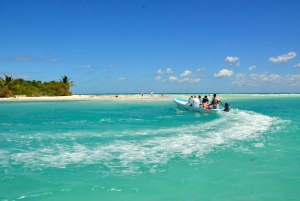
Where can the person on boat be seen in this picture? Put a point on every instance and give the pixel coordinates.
(205, 99)
(195, 101)
(200, 100)
(206, 106)
(205, 103)
(211, 103)
(215, 102)
(191, 101)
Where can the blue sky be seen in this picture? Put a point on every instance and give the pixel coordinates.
(161, 46)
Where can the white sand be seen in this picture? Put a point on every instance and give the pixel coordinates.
(89, 97)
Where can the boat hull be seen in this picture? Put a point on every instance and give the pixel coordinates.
(183, 103)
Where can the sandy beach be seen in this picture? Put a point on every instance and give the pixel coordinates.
(89, 97)
(146, 97)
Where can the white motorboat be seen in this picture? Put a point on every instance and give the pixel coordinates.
(184, 104)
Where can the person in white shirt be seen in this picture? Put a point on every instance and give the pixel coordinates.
(196, 101)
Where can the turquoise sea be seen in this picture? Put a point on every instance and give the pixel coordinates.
(150, 150)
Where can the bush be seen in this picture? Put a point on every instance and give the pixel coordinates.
(34, 88)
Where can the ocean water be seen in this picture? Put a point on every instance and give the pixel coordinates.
(150, 150)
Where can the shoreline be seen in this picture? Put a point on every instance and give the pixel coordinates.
(146, 97)
(87, 97)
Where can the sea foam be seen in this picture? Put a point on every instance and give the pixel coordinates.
(129, 156)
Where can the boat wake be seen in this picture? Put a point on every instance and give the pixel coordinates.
(131, 156)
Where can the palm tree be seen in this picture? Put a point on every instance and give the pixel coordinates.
(66, 80)
(8, 80)
(6, 86)
(1, 82)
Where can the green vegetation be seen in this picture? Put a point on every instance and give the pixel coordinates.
(10, 87)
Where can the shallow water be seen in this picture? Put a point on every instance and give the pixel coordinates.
(150, 150)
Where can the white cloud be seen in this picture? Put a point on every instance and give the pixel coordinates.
(122, 78)
(176, 79)
(184, 80)
(189, 80)
(160, 72)
(224, 73)
(173, 79)
(293, 80)
(158, 78)
(283, 58)
(21, 58)
(86, 67)
(168, 71)
(241, 80)
(240, 76)
(297, 65)
(186, 73)
(238, 64)
(252, 67)
(231, 59)
(265, 79)
(195, 80)
(200, 69)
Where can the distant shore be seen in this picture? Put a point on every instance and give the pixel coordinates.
(89, 97)
(158, 96)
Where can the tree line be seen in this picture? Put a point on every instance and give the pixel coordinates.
(10, 87)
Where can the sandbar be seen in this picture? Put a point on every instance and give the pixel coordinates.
(89, 97)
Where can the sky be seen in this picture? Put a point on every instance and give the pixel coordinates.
(110, 46)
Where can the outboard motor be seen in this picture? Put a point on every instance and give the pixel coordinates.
(227, 107)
